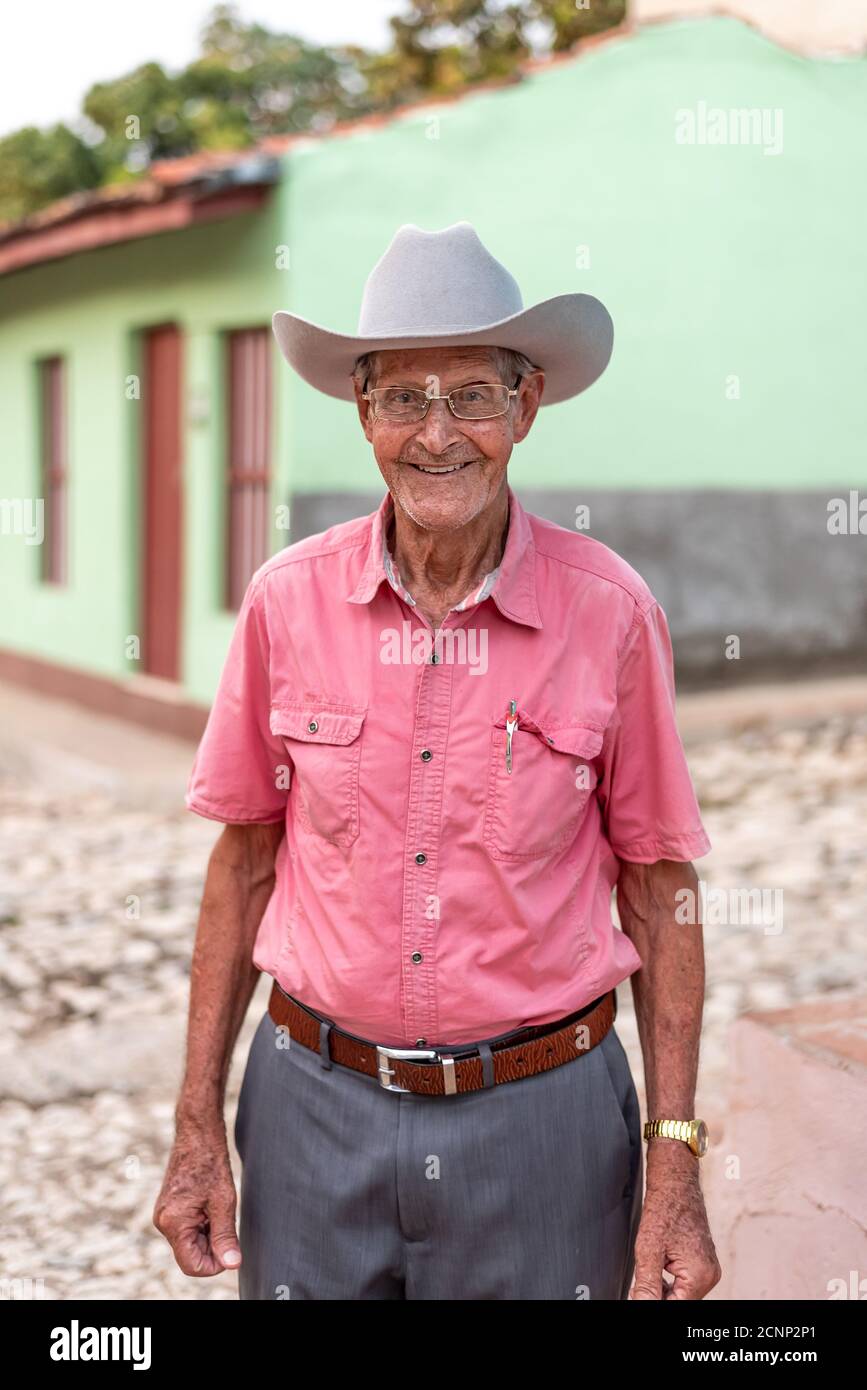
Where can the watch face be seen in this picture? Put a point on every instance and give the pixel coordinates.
(701, 1138)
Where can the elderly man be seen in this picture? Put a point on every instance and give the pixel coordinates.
(422, 835)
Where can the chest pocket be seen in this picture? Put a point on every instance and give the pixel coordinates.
(537, 808)
(324, 742)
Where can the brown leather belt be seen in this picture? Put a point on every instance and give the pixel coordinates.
(449, 1070)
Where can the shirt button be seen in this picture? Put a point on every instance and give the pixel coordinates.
(416, 957)
(425, 755)
(421, 859)
(312, 726)
(421, 1042)
(433, 658)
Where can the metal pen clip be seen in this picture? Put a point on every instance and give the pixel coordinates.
(511, 726)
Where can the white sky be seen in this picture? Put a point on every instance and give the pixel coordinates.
(53, 50)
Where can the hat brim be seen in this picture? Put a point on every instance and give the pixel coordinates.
(569, 337)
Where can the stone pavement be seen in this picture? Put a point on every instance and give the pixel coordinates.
(102, 870)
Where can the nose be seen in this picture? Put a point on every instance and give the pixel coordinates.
(439, 429)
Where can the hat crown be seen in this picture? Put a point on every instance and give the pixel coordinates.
(436, 282)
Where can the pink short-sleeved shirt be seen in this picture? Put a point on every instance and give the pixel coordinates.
(424, 892)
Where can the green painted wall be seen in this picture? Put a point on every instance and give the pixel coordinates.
(713, 260)
(89, 308)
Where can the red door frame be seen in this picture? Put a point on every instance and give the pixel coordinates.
(161, 553)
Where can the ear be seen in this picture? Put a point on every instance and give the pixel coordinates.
(527, 403)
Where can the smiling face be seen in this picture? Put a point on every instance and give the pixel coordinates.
(440, 470)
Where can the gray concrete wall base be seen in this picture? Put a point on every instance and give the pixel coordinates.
(759, 566)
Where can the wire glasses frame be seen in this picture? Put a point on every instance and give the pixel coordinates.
(417, 407)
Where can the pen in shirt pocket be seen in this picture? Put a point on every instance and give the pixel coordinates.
(511, 726)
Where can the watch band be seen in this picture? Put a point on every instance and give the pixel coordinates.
(693, 1133)
(668, 1129)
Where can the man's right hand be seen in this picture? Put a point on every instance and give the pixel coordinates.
(195, 1209)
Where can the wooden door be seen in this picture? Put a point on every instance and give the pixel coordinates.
(161, 541)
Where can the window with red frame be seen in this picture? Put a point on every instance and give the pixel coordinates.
(248, 478)
(54, 477)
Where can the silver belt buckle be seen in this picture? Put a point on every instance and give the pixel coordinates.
(412, 1054)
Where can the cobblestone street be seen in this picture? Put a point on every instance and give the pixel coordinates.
(102, 871)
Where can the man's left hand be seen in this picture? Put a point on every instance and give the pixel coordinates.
(674, 1235)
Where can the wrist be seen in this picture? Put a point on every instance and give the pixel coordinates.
(199, 1113)
(670, 1156)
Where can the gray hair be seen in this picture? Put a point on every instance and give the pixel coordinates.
(511, 364)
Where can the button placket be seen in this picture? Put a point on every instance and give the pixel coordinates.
(424, 826)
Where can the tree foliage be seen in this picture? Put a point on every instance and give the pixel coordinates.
(248, 83)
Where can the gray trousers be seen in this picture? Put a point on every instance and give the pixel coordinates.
(527, 1190)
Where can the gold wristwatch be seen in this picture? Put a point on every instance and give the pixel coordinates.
(692, 1132)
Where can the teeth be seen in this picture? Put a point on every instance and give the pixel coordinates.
(453, 469)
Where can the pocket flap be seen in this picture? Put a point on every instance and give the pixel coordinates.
(578, 739)
(314, 725)
(582, 740)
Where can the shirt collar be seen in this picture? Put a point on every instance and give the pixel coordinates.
(514, 580)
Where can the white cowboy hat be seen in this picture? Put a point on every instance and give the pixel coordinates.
(445, 289)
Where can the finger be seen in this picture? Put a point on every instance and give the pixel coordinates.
(680, 1283)
(225, 1246)
(192, 1252)
(648, 1277)
(692, 1283)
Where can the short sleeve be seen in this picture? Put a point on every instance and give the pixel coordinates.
(241, 770)
(648, 801)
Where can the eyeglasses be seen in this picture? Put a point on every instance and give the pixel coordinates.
(406, 403)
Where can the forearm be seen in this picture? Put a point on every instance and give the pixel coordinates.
(237, 888)
(668, 992)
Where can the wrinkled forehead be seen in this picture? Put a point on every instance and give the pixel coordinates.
(401, 364)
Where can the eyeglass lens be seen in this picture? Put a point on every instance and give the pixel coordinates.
(475, 402)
